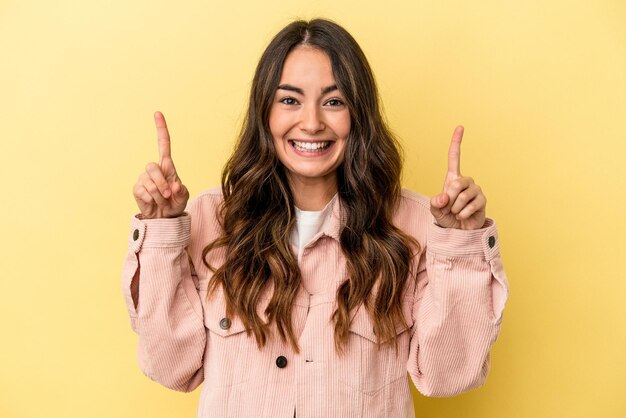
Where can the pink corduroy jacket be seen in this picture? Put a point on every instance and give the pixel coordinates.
(453, 306)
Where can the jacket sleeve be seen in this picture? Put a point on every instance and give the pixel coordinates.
(459, 300)
(163, 303)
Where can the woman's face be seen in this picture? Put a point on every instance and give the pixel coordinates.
(309, 119)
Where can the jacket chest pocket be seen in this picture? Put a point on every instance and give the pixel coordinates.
(229, 349)
(364, 366)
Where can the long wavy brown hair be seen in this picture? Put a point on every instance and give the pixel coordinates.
(257, 214)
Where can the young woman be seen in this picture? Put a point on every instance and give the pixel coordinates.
(310, 283)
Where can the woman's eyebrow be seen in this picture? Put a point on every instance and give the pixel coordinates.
(298, 90)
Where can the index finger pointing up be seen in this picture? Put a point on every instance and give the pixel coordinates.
(163, 136)
(454, 153)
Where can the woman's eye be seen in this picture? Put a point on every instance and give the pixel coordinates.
(288, 101)
(334, 102)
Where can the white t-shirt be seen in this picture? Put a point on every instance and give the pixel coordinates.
(308, 223)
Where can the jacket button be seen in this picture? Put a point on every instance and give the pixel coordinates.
(135, 235)
(281, 361)
(492, 241)
(225, 323)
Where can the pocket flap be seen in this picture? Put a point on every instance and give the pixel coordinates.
(215, 318)
(362, 325)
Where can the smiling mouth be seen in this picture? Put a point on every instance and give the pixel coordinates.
(311, 147)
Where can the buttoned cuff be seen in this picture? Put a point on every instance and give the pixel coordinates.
(464, 243)
(159, 232)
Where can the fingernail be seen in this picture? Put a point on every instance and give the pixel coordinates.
(166, 193)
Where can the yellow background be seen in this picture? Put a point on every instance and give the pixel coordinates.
(540, 87)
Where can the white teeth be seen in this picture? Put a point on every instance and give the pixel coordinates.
(311, 146)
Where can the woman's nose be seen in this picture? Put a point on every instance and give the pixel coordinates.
(311, 120)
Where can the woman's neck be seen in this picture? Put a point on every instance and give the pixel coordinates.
(313, 194)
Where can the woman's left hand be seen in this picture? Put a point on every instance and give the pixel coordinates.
(462, 203)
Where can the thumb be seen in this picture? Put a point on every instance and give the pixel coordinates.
(437, 203)
(178, 188)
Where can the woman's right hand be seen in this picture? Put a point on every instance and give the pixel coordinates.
(159, 192)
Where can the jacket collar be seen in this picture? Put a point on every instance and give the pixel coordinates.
(334, 219)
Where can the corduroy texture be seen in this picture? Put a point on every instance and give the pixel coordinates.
(454, 309)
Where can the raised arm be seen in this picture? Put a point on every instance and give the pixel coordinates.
(461, 289)
(157, 277)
